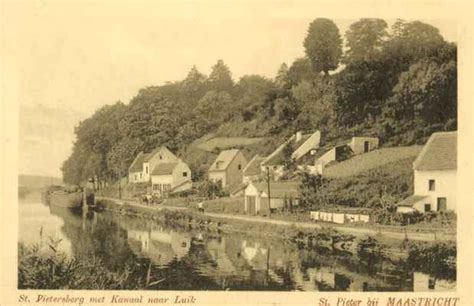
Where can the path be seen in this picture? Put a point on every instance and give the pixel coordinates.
(356, 231)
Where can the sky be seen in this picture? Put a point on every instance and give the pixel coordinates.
(71, 58)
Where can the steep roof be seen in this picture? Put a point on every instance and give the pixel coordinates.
(137, 164)
(277, 158)
(156, 151)
(164, 169)
(253, 167)
(412, 200)
(280, 189)
(439, 153)
(224, 159)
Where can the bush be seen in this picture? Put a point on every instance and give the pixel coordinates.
(55, 270)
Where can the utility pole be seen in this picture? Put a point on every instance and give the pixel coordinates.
(269, 198)
(120, 184)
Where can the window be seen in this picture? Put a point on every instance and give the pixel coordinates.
(442, 204)
(427, 207)
(431, 185)
(140, 175)
(431, 283)
(161, 157)
(146, 169)
(239, 166)
(185, 174)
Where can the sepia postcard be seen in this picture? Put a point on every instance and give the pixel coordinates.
(236, 152)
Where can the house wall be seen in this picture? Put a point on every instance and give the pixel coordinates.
(134, 177)
(445, 186)
(327, 157)
(357, 144)
(311, 143)
(233, 173)
(178, 171)
(216, 176)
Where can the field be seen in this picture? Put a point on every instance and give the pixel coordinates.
(371, 160)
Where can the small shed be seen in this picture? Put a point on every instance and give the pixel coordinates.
(283, 194)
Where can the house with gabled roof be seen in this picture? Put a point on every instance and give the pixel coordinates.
(435, 171)
(344, 149)
(260, 197)
(301, 144)
(228, 167)
(144, 163)
(169, 177)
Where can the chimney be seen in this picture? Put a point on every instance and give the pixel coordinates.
(298, 136)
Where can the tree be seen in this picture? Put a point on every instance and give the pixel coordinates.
(365, 39)
(299, 71)
(214, 107)
(281, 78)
(195, 84)
(220, 78)
(312, 191)
(323, 45)
(428, 90)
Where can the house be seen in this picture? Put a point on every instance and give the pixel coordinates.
(252, 170)
(144, 163)
(135, 171)
(169, 177)
(434, 173)
(228, 167)
(344, 150)
(282, 194)
(302, 145)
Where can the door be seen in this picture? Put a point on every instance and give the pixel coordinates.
(251, 207)
(442, 204)
(366, 146)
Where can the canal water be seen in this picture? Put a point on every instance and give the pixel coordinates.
(176, 258)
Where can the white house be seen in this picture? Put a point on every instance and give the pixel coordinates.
(434, 176)
(135, 171)
(171, 177)
(144, 163)
(228, 167)
(282, 194)
(303, 145)
(344, 150)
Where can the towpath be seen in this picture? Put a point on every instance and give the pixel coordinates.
(435, 235)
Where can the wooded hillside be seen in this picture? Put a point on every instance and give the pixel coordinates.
(399, 84)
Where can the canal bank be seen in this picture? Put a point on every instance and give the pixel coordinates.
(400, 234)
(133, 247)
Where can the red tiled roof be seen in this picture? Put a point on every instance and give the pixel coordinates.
(439, 153)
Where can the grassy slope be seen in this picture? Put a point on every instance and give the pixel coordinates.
(389, 183)
(371, 160)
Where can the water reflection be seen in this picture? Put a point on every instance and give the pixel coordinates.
(171, 257)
